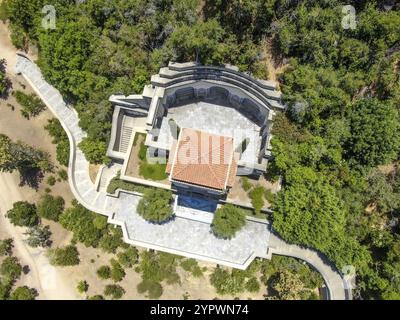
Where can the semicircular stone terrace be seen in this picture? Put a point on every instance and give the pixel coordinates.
(184, 235)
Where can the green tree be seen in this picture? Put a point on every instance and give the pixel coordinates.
(23, 214)
(79, 220)
(112, 240)
(227, 221)
(27, 160)
(66, 256)
(117, 272)
(60, 138)
(3, 79)
(95, 150)
(38, 236)
(129, 257)
(287, 286)
(6, 246)
(31, 104)
(104, 272)
(226, 282)
(257, 198)
(155, 206)
(24, 293)
(10, 269)
(114, 291)
(5, 288)
(82, 286)
(50, 207)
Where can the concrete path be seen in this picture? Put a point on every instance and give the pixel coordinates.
(336, 285)
(181, 236)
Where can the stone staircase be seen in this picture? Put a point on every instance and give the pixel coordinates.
(126, 134)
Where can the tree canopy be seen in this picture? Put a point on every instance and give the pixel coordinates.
(227, 221)
(23, 214)
(155, 206)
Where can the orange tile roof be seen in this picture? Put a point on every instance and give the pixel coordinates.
(203, 159)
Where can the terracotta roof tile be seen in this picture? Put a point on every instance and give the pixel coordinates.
(203, 159)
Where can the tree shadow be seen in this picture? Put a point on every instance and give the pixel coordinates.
(8, 84)
(26, 269)
(30, 177)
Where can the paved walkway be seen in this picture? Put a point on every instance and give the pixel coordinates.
(181, 236)
(334, 282)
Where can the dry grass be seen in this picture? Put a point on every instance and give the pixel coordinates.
(93, 171)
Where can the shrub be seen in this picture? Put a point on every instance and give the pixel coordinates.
(4, 82)
(228, 282)
(62, 152)
(246, 184)
(10, 268)
(104, 272)
(79, 220)
(63, 175)
(6, 246)
(192, 266)
(252, 285)
(257, 198)
(67, 256)
(227, 221)
(24, 293)
(117, 183)
(129, 257)
(114, 290)
(154, 289)
(18, 37)
(4, 289)
(23, 214)
(117, 272)
(269, 196)
(94, 150)
(38, 236)
(51, 180)
(60, 138)
(155, 206)
(82, 286)
(111, 241)
(50, 207)
(4, 11)
(100, 222)
(31, 104)
(287, 286)
(55, 130)
(96, 297)
(157, 267)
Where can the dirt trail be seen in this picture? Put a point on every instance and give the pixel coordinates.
(275, 67)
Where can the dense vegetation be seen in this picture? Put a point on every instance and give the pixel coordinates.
(337, 145)
(90, 228)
